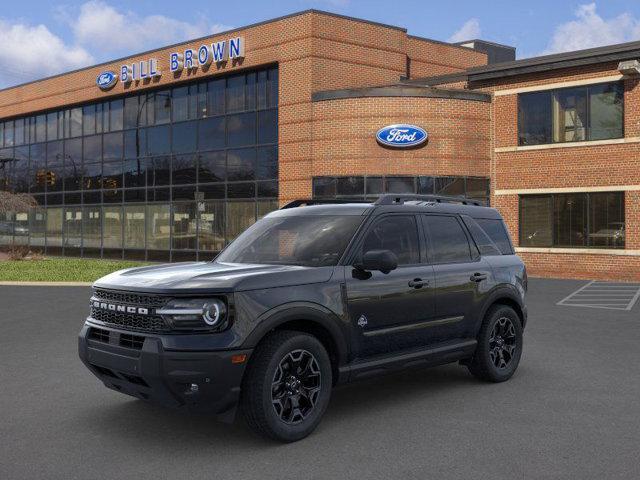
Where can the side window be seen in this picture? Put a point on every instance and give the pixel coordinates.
(448, 242)
(398, 234)
(484, 243)
(497, 232)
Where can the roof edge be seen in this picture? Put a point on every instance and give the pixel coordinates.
(400, 90)
(213, 34)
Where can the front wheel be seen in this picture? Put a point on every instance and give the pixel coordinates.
(287, 387)
(499, 345)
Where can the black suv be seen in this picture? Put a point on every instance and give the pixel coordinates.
(311, 296)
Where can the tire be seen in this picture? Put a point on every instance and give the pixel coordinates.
(270, 393)
(499, 345)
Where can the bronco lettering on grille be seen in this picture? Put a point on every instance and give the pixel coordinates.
(119, 308)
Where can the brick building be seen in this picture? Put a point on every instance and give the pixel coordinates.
(169, 154)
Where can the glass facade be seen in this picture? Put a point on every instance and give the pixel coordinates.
(370, 187)
(573, 220)
(160, 175)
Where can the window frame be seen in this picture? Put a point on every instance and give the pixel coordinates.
(588, 196)
(552, 93)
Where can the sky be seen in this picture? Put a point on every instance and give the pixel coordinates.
(39, 38)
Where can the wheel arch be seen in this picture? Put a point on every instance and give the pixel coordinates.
(508, 298)
(312, 319)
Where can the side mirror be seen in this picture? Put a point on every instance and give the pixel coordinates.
(382, 260)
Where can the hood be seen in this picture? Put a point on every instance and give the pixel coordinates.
(202, 277)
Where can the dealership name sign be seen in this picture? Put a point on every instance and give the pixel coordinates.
(188, 59)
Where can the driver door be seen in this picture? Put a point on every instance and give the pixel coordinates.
(389, 312)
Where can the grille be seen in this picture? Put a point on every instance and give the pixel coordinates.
(131, 341)
(137, 299)
(99, 335)
(131, 321)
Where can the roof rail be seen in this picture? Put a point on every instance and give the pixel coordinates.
(307, 202)
(390, 199)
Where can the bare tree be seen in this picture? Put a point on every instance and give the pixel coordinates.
(16, 202)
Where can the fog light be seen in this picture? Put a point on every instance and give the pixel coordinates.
(193, 388)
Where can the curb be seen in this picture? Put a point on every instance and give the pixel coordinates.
(47, 284)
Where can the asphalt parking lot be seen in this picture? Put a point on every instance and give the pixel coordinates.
(571, 411)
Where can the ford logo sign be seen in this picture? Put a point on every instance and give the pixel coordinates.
(401, 136)
(106, 80)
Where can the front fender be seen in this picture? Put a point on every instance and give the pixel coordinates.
(301, 311)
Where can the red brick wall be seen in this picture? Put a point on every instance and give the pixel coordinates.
(568, 167)
(429, 58)
(344, 137)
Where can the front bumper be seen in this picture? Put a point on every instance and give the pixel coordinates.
(138, 365)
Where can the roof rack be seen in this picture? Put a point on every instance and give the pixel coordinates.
(391, 199)
(307, 202)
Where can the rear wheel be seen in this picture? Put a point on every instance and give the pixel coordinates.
(499, 345)
(287, 387)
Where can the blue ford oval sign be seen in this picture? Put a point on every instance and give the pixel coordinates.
(401, 136)
(106, 80)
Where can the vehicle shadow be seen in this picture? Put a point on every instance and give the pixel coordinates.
(131, 420)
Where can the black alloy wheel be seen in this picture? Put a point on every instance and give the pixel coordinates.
(287, 386)
(502, 343)
(296, 385)
(499, 347)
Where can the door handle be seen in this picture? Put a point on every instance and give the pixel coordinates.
(478, 277)
(418, 283)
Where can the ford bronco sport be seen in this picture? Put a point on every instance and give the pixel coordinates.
(311, 296)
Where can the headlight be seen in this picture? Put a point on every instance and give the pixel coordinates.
(193, 314)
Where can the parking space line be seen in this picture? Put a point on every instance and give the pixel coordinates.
(612, 296)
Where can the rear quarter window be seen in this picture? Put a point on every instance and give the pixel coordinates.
(497, 232)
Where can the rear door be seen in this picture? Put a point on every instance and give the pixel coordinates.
(389, 312)
(462, 277)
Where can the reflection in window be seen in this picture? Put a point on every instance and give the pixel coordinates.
(240, 215)
(595, 220)
(212, 167)
(112, 225)
(73, 227)
(400, 185)
(184, 137)
(37, 226)
(211, 227)
(54, 227)
(134, 226)
(211, 133)
(241, 164)
(92, 227)
(158, 227)
(241, 129)
(184, 226)
(593, 112)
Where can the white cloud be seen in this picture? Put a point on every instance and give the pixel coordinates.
(108, 30)
(469, 31)
(591, 30)
(28, 52)
(98, 32)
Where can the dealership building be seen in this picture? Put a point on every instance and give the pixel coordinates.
(169, 154)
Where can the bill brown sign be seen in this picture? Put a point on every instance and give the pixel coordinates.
(189, 59)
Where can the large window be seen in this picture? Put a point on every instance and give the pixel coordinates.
(574, 220)
(169, 172)
(593, 112)
(475, 188)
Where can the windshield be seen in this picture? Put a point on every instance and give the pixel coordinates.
(311, 240)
